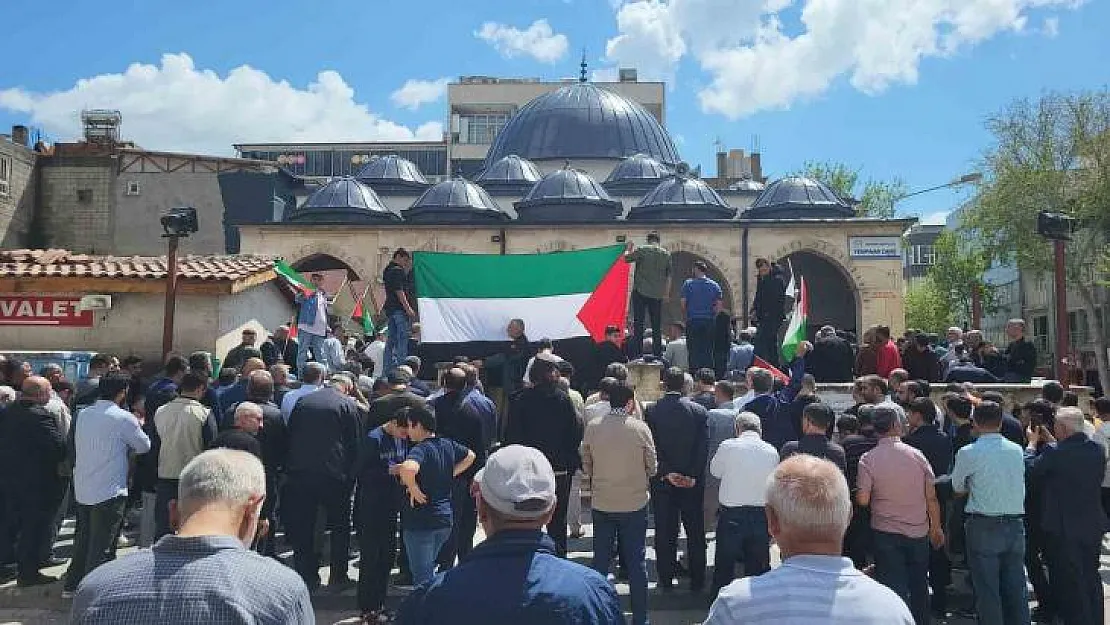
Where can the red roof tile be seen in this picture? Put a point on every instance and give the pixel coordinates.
(62, 263)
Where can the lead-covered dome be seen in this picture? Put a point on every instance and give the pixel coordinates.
(682, 197)
(343, 200)
(797, 197)
(392, 173)
(582, 121)
(567, 195)
(638, 172)
(509, 174)
(455, 200)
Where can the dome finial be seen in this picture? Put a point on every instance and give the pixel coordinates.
(582, 77)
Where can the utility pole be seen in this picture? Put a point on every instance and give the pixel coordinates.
(177, 223)
(1057, 227)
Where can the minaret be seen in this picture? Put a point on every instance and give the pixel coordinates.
(582, 77)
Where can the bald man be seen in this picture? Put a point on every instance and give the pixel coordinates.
(31, 446)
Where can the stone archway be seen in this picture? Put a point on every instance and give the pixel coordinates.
(833, 295)
(682, 267)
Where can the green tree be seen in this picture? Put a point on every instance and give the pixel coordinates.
(876, 197)
(927, 308)
(1053, 154)
(958, 271)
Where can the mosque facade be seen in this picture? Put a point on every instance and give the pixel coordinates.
(584, 166)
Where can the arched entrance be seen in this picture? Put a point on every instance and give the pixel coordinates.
(342, 284)
(682, 267)
(833, 298)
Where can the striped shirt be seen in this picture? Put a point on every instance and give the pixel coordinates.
(809, 589)
(190, 580)
(103, 435)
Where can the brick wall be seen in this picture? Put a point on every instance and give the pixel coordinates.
(77, 203)
(17, 206)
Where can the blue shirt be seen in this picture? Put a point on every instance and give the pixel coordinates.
(379, 452)
(103, 434)
(188, 580)
(992, 471)
(701, 295)
(437, 457)
(740, 357)
(514, 577)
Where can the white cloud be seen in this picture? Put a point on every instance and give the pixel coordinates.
(1051, 27)
(938, 218)
(416, 93)
(538, 41)
(176, 106)
(753, 63)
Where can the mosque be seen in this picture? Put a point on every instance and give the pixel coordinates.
(583, 166)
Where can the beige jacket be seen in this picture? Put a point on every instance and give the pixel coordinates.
(180, 425)
(618, 454)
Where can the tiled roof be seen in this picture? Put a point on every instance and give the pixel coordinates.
(63, 263)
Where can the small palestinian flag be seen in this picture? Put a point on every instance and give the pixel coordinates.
(775, 371)
(362, 316)
(294, 278)
(796, 331)
(561, 295)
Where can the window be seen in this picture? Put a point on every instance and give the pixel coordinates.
(1040, 333)
(84, 196)
(133, 188)
(5, 175)
(481, 129)
(922, 255)
(1077, 328)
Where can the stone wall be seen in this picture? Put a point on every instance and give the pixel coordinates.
(17, 206)
(77, 203)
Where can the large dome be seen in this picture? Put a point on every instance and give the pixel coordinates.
(582, 121)
(682, 197)
(797, 197)
(343, 200)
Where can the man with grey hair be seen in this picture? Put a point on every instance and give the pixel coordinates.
(1068, 474)
(312, 380)
(808, 507)
(742, 465)
(204, 572)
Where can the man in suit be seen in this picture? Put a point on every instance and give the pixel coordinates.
(1068, 473)
(681, 432)
(31, 446)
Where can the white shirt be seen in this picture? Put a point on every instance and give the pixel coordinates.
(102, 437)
(676, 354)
(375, 351)
(743, 465)
(333, 354)
(292, 396)
(319, 325)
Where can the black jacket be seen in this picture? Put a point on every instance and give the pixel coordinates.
(1021, 360)
(816, 445)
(831, 360)
(457, 420)
(921, 365)
(511, 363)
(383, 408)
(770, 299)
(272, 438)
(323, 437)
(968, 372)
(934, 445)
(1068, 477)
(543, 417)
(855, 445)
(240, 440)
(773, 409)
(285, 350)
(31, 446)
(680, 428)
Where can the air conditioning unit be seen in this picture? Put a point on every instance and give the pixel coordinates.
(133, 188)
(95, 302)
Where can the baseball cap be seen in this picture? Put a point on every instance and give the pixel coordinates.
(518, 482)
(398, 377)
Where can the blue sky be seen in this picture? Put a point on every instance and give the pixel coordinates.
(892, 87)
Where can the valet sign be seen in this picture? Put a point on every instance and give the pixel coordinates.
(875, 247)
(22, 310)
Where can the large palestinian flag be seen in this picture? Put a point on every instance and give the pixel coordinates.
(467, 298)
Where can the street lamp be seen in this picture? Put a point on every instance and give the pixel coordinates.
(1057, 227)
(176, 223)
(971, 178)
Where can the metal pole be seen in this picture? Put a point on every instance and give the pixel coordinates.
(171, 297)
(1060, 366)
(976, 307)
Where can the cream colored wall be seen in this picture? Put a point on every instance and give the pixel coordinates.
(368, 249)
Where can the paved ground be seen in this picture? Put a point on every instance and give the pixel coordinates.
(44, 605)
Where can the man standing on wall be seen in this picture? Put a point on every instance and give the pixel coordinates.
(649, 288)
(312, 322)
(398, 309)
(701, 301)
(768, 310)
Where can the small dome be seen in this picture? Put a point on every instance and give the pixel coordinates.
(582, 121)
(747, 184)
(568, 195)
(511, 174)
(680, 197)
(392, 171)
(455, 200)
(638, 168)
(797, 197)
(343, 200)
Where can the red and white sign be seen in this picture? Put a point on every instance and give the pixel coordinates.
(36, 310)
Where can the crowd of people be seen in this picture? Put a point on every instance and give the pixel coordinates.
(304, 445)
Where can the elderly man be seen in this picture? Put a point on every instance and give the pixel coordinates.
(742, 465)
(808, 507)
(721, 422)
(243, 435)
(1067, 473)
(312, 381)
(31, 445)
(185, 578)
(516, 498)
(280, 348)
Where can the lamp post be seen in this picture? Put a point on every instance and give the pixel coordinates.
(177, 223)
(1057, 227)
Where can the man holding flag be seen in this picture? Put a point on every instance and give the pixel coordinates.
(768, 309)
(312, 321)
